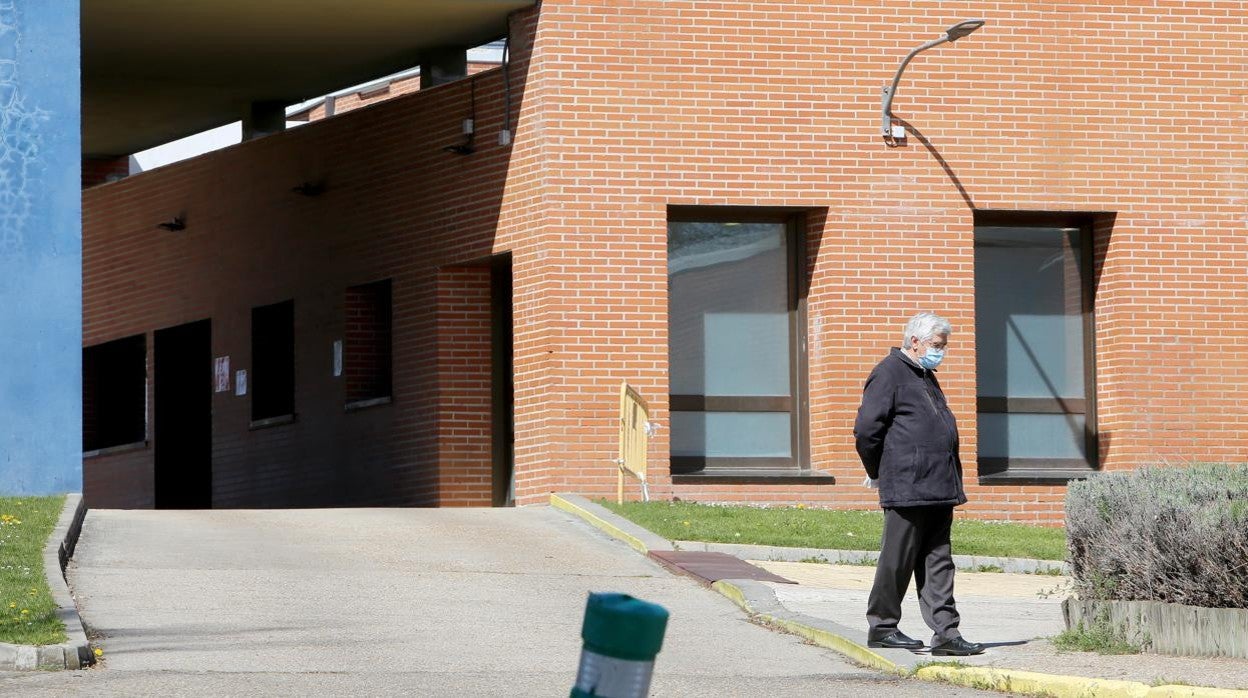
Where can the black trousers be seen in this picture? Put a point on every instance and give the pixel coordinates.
(915, 542)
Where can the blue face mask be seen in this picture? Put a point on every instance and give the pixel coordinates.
(932, 358)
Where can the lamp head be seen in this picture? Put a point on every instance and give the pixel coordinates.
(963, 28)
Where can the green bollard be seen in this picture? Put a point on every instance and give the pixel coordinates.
(622, 635)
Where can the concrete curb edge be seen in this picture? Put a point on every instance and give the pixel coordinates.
(638, 538)
(1035, 684)
(75, 652)
(962, 562)
(760, 602)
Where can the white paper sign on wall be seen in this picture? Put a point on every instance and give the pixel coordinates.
(240, 382)
(337, 358)
(221, 371)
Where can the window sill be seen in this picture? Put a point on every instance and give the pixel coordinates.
(365, 404)
(269, 422)
(744, 476)
(111, 450)
(1054, 476)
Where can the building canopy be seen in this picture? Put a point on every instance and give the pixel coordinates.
(154, 71)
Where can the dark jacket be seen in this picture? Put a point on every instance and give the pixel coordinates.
(907, 437)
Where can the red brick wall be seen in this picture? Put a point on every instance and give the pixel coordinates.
(629, 107)
(464, 382)
(1079, 107)
(395, 206)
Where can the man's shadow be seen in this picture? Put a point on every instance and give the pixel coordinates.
(927, 651)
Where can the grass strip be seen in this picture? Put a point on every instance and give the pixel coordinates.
(27, 611)
(801, 527)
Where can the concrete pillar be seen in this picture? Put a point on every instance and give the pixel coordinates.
(263, 118)
(442, 65)
(40, 249)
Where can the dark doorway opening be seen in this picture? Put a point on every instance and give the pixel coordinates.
(503, 389)
(183, 416)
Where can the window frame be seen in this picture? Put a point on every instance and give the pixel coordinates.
(1008, 470)
(100, 448)
(744, 468)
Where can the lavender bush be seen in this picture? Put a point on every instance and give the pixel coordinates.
(1178, 535)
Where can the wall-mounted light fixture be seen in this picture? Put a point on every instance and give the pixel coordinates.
(310, 188)
(953, 33)
(174, 224)
(469, 126)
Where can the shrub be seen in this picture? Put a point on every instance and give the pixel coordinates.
(1178, 535)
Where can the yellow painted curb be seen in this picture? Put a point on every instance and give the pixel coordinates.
(734, 594)
(1057, 686)
(823, 638)
(636, 543)
(832, 641)
(1033, 684)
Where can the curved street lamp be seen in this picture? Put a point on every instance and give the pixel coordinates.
(953, 33)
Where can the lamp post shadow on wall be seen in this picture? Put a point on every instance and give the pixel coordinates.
(910, 128)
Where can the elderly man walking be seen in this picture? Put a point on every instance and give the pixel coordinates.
(907, 439)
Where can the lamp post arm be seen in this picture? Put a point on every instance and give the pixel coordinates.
(891, 90)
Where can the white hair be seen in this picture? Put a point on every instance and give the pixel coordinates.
(925, 326)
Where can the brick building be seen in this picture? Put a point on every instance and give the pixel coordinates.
(696, 199)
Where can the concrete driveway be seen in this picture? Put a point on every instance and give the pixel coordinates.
(399, 601)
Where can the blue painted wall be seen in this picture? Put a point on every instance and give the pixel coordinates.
(40, 249)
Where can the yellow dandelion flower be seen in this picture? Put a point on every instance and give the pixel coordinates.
(801, 506)
(25, 611)
(686, 523)
(12, 604)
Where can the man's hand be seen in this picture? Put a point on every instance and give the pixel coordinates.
(871, 483)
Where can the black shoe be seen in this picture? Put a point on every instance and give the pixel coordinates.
(896, 640)
(957, 647)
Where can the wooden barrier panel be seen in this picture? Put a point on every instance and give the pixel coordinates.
(634, 439)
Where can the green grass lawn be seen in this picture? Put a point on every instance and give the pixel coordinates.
(27, 612)
(821, 528)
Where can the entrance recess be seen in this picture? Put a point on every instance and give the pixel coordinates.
(183, 416)
(502, 388)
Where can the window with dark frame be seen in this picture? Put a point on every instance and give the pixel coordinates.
(735, 349)
(114, 393)
(272, 361)
(1034, 336)
(367, 347)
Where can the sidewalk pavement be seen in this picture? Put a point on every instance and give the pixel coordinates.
(1013, 614)
(382, 602)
